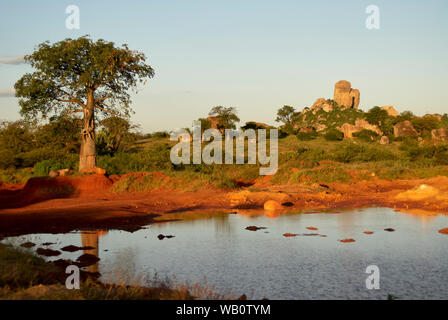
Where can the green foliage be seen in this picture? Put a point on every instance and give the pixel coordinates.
(67, 70)
(115, 133)
(227, 117)
(307, 136)
(285, 114)
(334, 135)
(44, 167)
(424, 125)
(376, 116)
(354, 152)
(205, 124)
(366, 135)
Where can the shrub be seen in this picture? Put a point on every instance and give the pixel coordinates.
(366, 135)
(334, 135)
(376, 116)
(354, 152)
(44, 167)
(307, 136)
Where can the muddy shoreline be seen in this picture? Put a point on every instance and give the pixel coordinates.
(26, 209)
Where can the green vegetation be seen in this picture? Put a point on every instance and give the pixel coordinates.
(333, 135)
(85, 76)
(26, 276)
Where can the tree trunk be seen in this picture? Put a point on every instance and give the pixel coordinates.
(87, 156)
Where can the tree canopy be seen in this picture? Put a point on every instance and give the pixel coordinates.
(81, 75)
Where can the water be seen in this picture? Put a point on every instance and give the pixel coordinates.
(413, 260)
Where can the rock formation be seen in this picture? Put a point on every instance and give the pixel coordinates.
(384, 140)
(360, 124)
(322, 104)
(439, 134)
(345, 96)
(390, 110)
(404, 129)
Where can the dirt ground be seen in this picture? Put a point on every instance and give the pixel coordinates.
(64, 204)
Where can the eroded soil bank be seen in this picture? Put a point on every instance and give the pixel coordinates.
(64, 204)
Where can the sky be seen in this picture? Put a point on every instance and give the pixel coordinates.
(255, 56)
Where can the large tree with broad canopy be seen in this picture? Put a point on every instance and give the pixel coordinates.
(81, 75)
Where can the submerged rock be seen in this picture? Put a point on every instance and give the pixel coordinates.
(87, 259)
(48, 252)
(290, 234)
(347, 240)
(28, 244)
(161, 236)
(72, 248)
(254, 228)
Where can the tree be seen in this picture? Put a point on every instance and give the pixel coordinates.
(376, 116)
(81, 75)
(226, 117)
(285, 114)
(116, 131)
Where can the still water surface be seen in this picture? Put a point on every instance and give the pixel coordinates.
(413, 260)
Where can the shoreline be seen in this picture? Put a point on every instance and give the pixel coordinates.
(60, 213)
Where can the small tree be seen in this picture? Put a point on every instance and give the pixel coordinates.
(115, 131)
(376, 116)
(80, 75)
(285, 114)
(227, 117)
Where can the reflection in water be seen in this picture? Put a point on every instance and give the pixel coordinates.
(217, 246)
(90, 239)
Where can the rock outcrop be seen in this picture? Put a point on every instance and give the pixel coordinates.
(384, 140)
(348, 129)
(345, 96)
(390, 111)
(404, 129)
(439, 134)
(322, 104)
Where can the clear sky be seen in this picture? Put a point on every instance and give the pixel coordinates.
(255, 56)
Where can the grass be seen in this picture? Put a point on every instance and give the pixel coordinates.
(26, 276)
(317, 160)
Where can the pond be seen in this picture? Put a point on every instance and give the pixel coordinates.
(412, 259)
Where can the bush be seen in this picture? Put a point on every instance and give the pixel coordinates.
(44, 167)
(376, 116)
(307, 136)
(334, 135)
(354, 152)
(366, 135)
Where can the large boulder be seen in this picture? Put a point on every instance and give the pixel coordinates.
(348, 129)
(345, 96)
(405, 129)
(384, 140)
(390, 111)
(439, 134)
(322, 104)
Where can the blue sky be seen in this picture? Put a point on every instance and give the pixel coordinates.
(253, 55)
